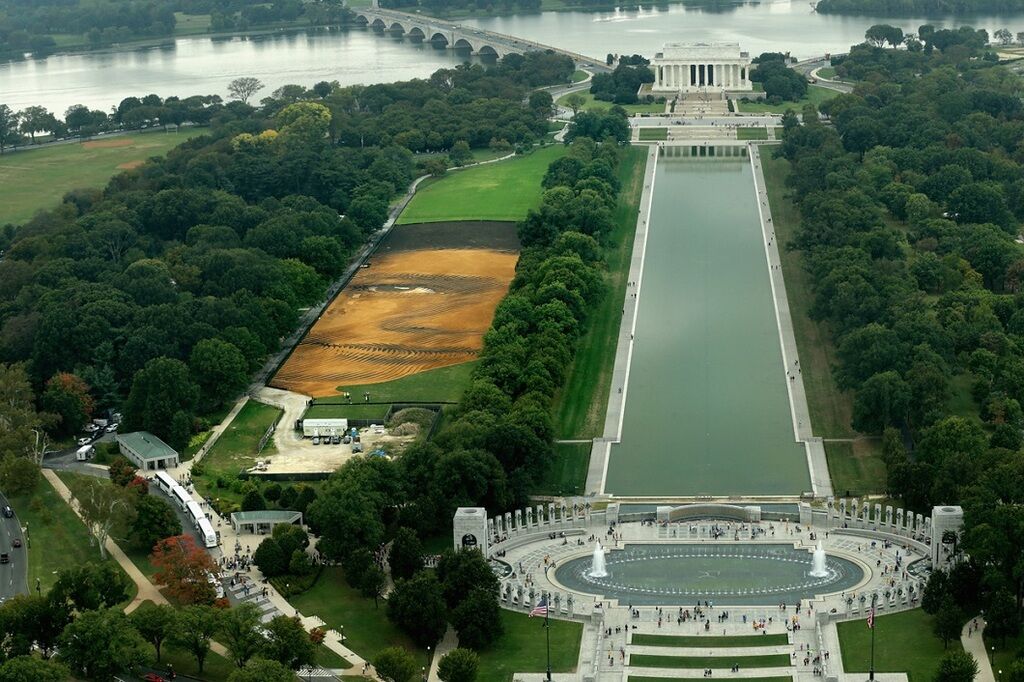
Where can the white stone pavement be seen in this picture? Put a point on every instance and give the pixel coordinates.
(821, 483)
(974, 644)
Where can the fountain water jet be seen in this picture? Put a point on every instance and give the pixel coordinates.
(597, 567)
(818, 569)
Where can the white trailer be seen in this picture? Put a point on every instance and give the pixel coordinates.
(85, 453)
(320, 427)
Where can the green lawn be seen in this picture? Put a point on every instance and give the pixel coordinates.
(904, 643)
(236, 449)
(354, 411)
(653, 134)
(641, 678)
(831, 409)
(567, 472)
(856, 467)
(496, 191)
(654, 661)
(443, 385)
(697, 641)
(751, 133)
(38, 178)
(190, 24)
(57, 539)
(521, 648)
(366, 627)
(815, 95)
(590, 104)
(828, 72)
(579, 407)
(579, 76)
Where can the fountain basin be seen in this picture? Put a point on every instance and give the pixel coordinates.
(681, 574)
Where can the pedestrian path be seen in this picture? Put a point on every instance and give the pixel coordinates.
(974, 644)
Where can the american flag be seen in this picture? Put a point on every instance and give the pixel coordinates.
(871, 617)
(541, 609)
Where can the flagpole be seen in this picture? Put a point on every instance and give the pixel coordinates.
(547, 637)
(871, 670)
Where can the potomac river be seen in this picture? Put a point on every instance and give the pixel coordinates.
(202, 65)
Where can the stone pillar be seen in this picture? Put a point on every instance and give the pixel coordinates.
(878, 515)
(943, 520)
(529, 518)
(519, 520)
(551, 513)
(469, 529)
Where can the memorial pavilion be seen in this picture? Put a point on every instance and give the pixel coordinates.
(700, 67)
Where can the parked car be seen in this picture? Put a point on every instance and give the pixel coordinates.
(5, 558)
(153, 677)
(335, 440)
(346, 440)
(90, 428)
(16, 543)
(357, 447)
(111, 428)
(84, 440)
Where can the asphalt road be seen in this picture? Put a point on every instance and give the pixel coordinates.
(14, 575)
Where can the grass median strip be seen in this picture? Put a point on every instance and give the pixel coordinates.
(639, 678)
(696, 641)
(653, 661)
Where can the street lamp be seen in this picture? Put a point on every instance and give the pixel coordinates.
(428, 655)
(423, 672)
(342, 633)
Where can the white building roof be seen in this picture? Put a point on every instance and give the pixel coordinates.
(701, 51)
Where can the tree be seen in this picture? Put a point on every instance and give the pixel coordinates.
(477, 619)
(262, 670)
(154, 521)
(18, 475)
(67, 396)
(458, 665)
(1001, 617)
(936, 591)
(253, 501)
(243, 88)
(406, 556)
(35, 120)
(185, 569)
(883, 400)
(99, 644)
(91, 586)
(462, 571)
(1004, 36)
(196, 626)
(270, 558)
(30, 621)
(219, 368)
(372, 583)
(575, 102)
(957, 666)
(288, 642)
(155, 623)
(33, 669)
(103, 506)
(417, 607)
(121, 471)
(272, 493)
(541, 101)
(395, 664)
(8, 127)
(240, 632)
(160, 390)
(949, 621)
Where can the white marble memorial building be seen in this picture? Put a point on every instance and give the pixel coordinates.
(697, 67)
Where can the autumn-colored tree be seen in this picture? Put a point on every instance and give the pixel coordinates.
(68, 396)
(121, 471)
(184, 568)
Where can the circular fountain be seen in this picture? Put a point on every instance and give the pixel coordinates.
(739, 574)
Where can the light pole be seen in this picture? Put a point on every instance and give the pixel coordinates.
(428, 655)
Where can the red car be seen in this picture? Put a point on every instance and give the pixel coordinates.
(153, 677)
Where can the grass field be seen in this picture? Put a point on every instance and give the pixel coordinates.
(521, 648)
(653, 134)
(831, 409)
(354, 411)
(903, 643)
(591, 104)
(855, 466)
(745, 662)
(236, 449)
(579, 407)
(443, 385)
(697, 641)
(815, 95)
(190, 24)
(497, 191)
(827, 72)
(751, 133)
(567, 472)
(38, 178)
(367, 630)
(57, 539)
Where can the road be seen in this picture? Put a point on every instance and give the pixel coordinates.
(807, 68)
(13, 576)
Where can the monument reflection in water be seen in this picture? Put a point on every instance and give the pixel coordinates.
(680, 574)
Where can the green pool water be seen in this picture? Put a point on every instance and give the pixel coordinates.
(707, 410)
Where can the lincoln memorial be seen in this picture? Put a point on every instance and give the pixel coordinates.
(696, 67)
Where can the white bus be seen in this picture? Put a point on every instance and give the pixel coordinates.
(180, 497)
(207, 532)
(195, 512)
(165, 482)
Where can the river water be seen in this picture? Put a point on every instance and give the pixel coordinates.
(205, 66)
(707, 409)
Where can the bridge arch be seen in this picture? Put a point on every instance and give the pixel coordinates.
(463, 44)
(416, 33)
(439, 39)
(488, 51)
(378, 24)
(396, 28)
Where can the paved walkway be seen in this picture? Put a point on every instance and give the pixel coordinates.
(974, 644)
(601, 450)
(817, 465)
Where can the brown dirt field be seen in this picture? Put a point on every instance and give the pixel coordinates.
(128, 165)
(108, 144)
(413, 310)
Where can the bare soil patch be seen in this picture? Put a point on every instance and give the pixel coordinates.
(109, 144)
(414, 309)
(128, 165)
